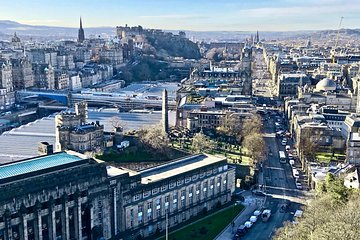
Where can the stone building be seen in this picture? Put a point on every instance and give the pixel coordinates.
(68, 196)
(60, 196)
(22, 73)
(44, 76)
(7, 94)
(181, 190)
(287, 84)
(61, 79)
(74, 133)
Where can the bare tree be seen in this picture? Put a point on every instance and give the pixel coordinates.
(202, 143)
(308, 144)
(231, 126)
(117, 123)
(252, 125)
(155, 138)
(255, 144)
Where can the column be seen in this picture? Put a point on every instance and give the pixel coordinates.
(23, 223)
(51, 220)
(7, 221)
(77, 216)
(65, 218)
(37, 221)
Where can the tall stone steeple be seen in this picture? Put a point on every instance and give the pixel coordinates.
(257, 37)
(81, 34)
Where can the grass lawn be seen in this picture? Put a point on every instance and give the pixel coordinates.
(327, 157)
(207, 228)
(136, 154)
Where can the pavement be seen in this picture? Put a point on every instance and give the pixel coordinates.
(251, 203)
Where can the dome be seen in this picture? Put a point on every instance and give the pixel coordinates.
(326, 84)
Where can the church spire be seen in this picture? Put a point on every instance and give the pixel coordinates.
(81, 34)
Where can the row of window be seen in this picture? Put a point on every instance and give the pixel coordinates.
(153, 210)
(193, 192)
(179, 182)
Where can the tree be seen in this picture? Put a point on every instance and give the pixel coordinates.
(255, 144)
(117, 123)
(252, 125)
(155, 138)
(308, 145)
(326, 217)
(202, 143)
(231, 126)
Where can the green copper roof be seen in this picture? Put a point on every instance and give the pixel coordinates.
(36, 164)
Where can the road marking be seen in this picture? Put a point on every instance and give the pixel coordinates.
(275, 168)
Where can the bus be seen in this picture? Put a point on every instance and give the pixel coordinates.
(282, 157)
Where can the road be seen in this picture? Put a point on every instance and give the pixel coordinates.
(279, 187)
(261, 77)
(279, 184)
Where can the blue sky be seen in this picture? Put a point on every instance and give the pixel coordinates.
(206, 15)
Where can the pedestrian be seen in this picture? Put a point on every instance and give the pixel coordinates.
(233, 224)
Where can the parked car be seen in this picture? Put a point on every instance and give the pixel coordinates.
(298, 185)
(248, 224)
(253, 219)
(290, 156)
(296, 173)
(241, 230)
(292, 162)
(287, 148)
(284, 142)
(257, 213)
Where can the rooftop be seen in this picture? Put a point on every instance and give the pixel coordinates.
(35, 164)
(22, 142)
(178, 167)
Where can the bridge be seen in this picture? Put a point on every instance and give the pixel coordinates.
(96, 98)
(59, 96)
(122, 102)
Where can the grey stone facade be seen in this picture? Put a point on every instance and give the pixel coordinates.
(85, 199)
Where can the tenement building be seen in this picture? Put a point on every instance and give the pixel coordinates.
(67, 196)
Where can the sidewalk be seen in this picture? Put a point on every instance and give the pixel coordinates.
(251, 204)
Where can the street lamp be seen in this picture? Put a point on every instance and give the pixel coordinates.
(233, 222)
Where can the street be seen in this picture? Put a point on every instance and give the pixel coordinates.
(279, 187)
(282, 196)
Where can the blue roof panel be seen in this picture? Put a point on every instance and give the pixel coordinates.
(36, 164)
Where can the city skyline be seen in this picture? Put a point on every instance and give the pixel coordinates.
(284, 15)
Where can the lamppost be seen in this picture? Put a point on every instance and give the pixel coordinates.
(233, 222)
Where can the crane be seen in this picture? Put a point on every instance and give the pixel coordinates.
(337, 39)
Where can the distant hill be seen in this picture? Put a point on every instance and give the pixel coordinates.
(7, 29)
(24, 30)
